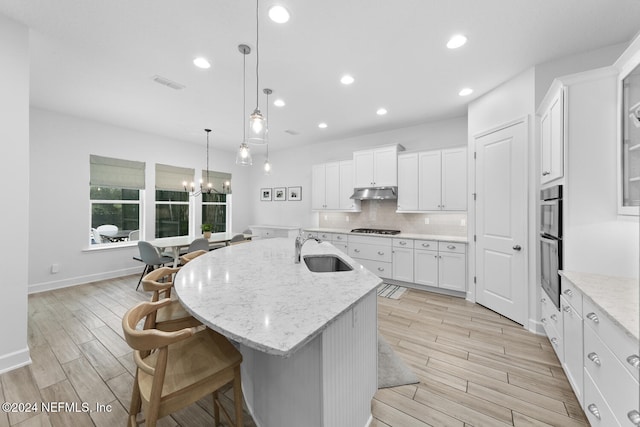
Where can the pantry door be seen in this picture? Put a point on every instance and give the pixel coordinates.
(501, 221)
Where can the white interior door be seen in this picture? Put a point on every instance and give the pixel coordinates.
(501, 220)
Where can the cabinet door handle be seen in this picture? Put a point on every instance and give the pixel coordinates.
(517, 248)
(594, 410)
(380, 268)
(593, 317)
(543, 300)
(554, 317)
(545, 173)
(380, 253)
(594, 358)
(566, 309)
(403, 243)
(544, 320)
(568, 292)
(554, 341)
(356, 250)
(634, 360)
(426, 245)
(634, 417)
(338, 237)
(450, 247)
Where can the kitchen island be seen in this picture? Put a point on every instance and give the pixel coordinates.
(308, 340)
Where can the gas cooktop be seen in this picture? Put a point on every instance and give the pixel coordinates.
(374, 231)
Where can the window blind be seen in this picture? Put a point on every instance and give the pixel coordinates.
(171, 177)
(118, 173)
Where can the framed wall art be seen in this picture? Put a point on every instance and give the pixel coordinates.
(279, 194)
(294, 193)
(265, 194)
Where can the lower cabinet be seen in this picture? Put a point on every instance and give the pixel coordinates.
(573, 342)
(374, 253)
(402, 259)
(271, 231)
(440, 265)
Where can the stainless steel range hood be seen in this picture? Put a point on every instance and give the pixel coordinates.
(375, 193)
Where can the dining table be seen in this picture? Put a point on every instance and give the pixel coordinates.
(174, 244)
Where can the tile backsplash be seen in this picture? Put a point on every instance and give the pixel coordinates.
(382, 214)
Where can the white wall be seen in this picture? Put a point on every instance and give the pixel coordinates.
(14, 139)
(59, 189)
(293, 167)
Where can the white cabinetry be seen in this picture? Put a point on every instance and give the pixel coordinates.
(403, 259)
(442, 180)
(332, 185)
(376, 168)
(551, 320)
(440, 264)
(571, 305)
(374, 253)
(552, 135)
(408, 182)
(271, 231)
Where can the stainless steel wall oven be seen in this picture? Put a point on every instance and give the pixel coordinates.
(551, 241)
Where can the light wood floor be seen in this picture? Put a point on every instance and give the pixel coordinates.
(475, 367)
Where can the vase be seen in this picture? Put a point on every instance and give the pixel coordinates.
(207, 235)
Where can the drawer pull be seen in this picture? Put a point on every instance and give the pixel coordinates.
(380, 268)
(426, 245)
(554, 341)
(544, 320)
(403, 243)
(554, 317)
(634, 417)
(338, 237)
(566, 309)
(356, 250)
(380, 253)
(594, 358)
(568, 292)
(543, 300)
(593, 317)
(594, 410)
(634, 361)
(450, 247)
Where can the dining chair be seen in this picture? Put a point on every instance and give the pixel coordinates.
(134, 235)
(150, 256)
(172, 317)
(200, 244)
(238, 238)
(176, 369)
(96, 237)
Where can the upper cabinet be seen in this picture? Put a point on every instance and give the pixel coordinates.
(552, 136)
(433, 180)
(332, 185)
(376, 168)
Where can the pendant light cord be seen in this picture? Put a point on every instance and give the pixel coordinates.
(257, 54)
(244, 94)
(208, 130)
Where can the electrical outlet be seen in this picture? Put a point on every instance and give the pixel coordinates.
(463, 222)
(55, 268)
(347, 218)
(426, 221)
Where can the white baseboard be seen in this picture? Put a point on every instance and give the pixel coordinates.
(15, 360)
(81, 280)
(536, 327)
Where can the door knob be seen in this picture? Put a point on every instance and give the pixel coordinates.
(517, 247)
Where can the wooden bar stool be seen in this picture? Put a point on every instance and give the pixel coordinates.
(175, 369)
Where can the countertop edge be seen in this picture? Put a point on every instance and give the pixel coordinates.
(578, 279)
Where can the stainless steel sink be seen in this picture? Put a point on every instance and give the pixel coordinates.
(325, 263)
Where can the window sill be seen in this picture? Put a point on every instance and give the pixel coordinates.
(109, 246)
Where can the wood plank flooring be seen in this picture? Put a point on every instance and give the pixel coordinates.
(476, 368)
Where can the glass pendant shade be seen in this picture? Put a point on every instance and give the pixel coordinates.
(244, 155)
(257, 127)
(267, 167)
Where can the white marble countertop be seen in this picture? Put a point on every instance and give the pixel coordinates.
(277, 227)
(414, 236)
(255, 294)
(617, 297)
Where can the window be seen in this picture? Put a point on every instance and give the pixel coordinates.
(114, 195)
(216, 205)
(172, 202)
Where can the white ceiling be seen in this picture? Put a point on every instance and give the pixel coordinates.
(95, 59)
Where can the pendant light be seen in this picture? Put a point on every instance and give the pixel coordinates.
(257, 122)
(267, 165)
(244, 153)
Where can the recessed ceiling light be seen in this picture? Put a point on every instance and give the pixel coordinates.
(279, 103)
(347, 79)
(279, 14)
(466, 91)
(456, 41)
(201, 63)
(381, 111)
(322, 125)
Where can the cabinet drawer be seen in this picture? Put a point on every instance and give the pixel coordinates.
(550, 314)
(380, 269)
(431, 245)
(622, 346)
(556, 340)
(310, 234)
(614, 382)
(370, 252)
(595, 407)
(370, 240)
(339, 238)
(572, 295)
(341, 246)
(460, 248)
(403, 243)
(325, 236)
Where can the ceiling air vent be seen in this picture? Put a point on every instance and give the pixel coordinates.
(165, 81)
(292, 132)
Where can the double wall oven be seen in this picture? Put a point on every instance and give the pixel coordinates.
(551, 241)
